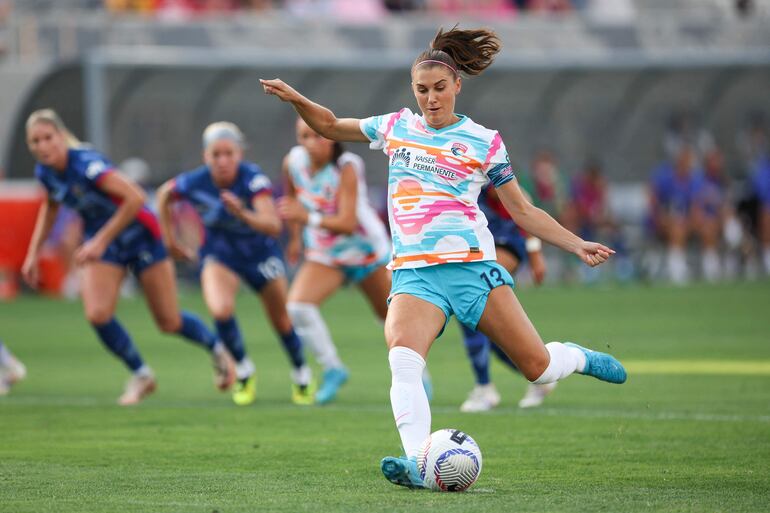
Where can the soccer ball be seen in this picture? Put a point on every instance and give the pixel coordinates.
(449, 461)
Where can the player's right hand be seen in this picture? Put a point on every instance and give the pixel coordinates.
(182, 253)
(30, 271)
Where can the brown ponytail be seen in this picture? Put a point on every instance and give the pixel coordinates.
(465, 51)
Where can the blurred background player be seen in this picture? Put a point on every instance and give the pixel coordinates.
(344, 241)
(11, 369)
(234, 201)
(443, 255)
(120, 234)
(513, 248)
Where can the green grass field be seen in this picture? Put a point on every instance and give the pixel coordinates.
(689, 431)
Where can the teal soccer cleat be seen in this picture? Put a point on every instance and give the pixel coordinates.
(402, 471)
(333, 379)
(602, 366)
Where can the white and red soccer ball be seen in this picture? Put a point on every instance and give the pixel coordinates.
(449, 461)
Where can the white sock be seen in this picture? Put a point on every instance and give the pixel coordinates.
(407, 397)
(244, 368)
(712, 268)
(301, 376)
(564, 361)
(143, 371)
(312, 329)
(677, 266)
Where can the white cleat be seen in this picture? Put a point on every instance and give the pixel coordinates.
(137, 388)
(481, 398)
(535, 395)
(11, 371)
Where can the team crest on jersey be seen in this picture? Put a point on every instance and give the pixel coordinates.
(401, 156)
(95, 168)
(459, 149)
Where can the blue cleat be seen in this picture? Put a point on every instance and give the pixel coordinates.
(602, 366)
(333, 379)
(402, 471)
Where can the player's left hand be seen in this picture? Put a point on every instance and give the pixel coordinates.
(290, 209)
(232, 203)
(90, 251)
(593, 253)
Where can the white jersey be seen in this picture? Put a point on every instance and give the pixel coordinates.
(317, 191)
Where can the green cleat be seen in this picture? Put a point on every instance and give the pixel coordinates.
(245, 391)
(303, 395)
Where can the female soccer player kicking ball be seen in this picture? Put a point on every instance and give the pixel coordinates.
(121, 234)
(344, 240)
(233, 198)
(444, 255)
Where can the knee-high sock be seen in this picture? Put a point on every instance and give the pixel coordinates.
(477, 347)
(194, 330)
(119, 342)
(293, 347)
(230, 334)
(411, 409)
(312, 329)
(564, 361)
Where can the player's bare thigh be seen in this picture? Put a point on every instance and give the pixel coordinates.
(100, 289)
(376, 287)
(505, 323)
(220, 286)
(314, 283)
(160, 292)
(413, 323)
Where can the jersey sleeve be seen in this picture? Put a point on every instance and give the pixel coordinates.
(259, 183)
(181, 185)
(95, 167)
(497, 166)
(378, 128)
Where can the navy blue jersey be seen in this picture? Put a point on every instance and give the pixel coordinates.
(226, 235)
(77, 187)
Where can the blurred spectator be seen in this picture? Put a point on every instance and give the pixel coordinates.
(672, 194)
(548, 187)
(760, 181)
(711, 211)
(590, 217)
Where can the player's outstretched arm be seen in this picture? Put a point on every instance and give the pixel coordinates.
(318, 117)
(45, 219)
(539, 223)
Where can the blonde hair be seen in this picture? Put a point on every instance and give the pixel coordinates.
(50, 117)
(223, 130)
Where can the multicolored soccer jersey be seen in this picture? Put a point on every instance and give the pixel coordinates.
(318, 193)
(434, 181)
(253, 255)
(139, 245)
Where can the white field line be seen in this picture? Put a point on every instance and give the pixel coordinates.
(90, 402)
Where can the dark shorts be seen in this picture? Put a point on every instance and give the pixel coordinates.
(257, 272)
(136, 254)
